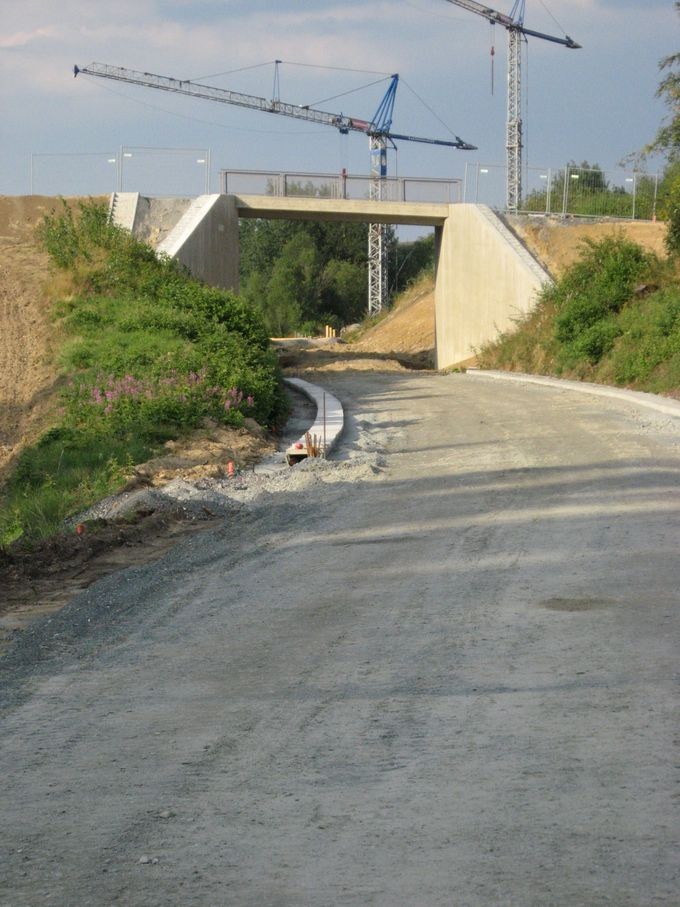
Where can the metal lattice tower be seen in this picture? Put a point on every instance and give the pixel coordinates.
(377, 247)
(514, 24)
(513, 137)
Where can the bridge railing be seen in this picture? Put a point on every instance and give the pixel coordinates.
(338, 186)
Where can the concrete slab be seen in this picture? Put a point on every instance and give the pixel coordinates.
(205, 240)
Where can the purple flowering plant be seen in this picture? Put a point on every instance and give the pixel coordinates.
(119, 403)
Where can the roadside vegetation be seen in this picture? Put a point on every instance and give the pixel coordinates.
(614, 317)
(148, 354)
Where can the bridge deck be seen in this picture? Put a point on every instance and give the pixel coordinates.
(428, 214)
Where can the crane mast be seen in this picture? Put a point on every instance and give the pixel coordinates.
(378, 130)
(517, 32)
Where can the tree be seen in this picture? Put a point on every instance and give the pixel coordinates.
(292, 294)
(667, 142)
(667, 139)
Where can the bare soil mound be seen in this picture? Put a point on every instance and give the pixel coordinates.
(407, 332)
(28, 379)
(557, 245)
(26, 372)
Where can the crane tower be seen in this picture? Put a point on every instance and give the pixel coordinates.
(514, 25)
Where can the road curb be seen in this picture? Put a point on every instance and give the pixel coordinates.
(649, 401)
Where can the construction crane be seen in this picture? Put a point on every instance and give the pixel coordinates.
(378, 130)
(514, 25)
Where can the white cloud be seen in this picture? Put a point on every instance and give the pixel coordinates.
(22, 38)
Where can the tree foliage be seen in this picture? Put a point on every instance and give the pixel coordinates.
(667, 139)
(301, 275)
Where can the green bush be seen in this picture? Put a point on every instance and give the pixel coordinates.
(592, 292)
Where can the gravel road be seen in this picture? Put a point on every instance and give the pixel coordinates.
(437, 671)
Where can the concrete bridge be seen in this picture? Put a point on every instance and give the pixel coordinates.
(485, 278)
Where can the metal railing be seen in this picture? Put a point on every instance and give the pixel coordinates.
(338, 186)
(567, 191)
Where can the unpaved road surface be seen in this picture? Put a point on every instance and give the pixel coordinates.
(448, 683)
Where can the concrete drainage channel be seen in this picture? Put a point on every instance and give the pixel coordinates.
(327, 427)
(273, 474)
(321, 436)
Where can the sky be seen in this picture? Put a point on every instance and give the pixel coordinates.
(60, 135)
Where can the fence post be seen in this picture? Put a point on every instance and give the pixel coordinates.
(634, 190)
(565, 194)
(656, 188)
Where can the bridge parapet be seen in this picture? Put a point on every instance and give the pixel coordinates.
(293, 184)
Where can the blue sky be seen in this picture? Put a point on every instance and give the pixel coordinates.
(594, 104)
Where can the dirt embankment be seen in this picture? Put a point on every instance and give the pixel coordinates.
(557, 245)
(27, 372)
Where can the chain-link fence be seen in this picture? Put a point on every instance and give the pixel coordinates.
(570, 190)
(152, 171)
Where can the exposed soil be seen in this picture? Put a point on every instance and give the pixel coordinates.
(408, 330)
(27, 374)
(558, 244)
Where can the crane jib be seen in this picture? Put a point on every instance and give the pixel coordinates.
(298, 111)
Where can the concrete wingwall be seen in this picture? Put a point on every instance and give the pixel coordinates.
(205, 240)
(485, 280)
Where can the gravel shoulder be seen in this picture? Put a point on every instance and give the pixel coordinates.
(440, 670)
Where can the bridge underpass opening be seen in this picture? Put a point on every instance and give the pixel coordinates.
(484, 278)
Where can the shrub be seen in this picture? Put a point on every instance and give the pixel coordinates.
(592, 292)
